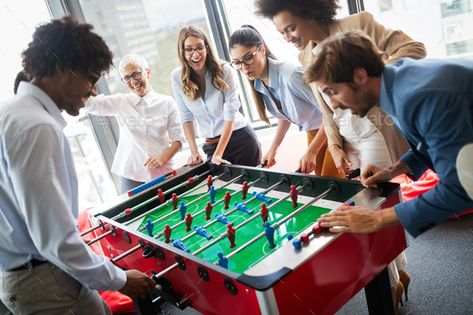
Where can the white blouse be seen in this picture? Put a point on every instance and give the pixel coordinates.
(147, 125)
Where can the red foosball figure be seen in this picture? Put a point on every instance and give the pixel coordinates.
(226, 200)
(244, 189)
(231, 235)
(294, 195)
(160, 196)
(264, 212)
(210, 181)
(167, 233)
(188, 219)
(208, 211)
(175, 199)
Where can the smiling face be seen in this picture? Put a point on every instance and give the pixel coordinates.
(299, 31)
(73, 90)
(136, 79)
(195, 53)
(250, 60)
(352, 96)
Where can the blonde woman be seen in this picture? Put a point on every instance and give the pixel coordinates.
(207, 98)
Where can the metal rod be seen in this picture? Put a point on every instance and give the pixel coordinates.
(89, 230)
(99, 237)
(225, 234)
(167, 202)
(197, 213)
(127, 253)
(229, 211)
(275, 225)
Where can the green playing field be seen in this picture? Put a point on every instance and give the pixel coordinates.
(254, 252)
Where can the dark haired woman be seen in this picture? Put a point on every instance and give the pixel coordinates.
(278, 87)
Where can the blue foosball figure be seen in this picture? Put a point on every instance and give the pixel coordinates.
(222, 218)
(182, 210)
(179, 244)
(242, 207)
(212, 193)
(222, 260)
(149, 227)
(269, 231)
(262, 197)
(202, 232)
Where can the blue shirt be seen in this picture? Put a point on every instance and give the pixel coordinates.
(431, 101)
(211, 110)
(286, 84)
(38, 193)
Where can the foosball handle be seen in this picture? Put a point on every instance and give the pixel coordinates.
(146, 185)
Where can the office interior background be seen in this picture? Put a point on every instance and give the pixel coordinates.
(150, 28)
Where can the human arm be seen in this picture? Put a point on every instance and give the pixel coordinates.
(281, 130)
(223, 142)
(45, 187)
(107, 105)
(340, 158)
(186, 117)
(371, 174)
(309, 160)
(394, 43)
(356, 219)
(231, 106)
(176, 137)
(443, 120)
(189, 131)
(330, 127)
(169, 152)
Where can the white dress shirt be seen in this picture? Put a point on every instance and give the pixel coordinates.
(38, 193)
(147, 124)
(210, 111)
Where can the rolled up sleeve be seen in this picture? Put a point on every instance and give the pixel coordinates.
(185, 113)
(231, 104)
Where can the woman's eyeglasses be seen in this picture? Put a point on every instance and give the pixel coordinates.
(189, 51)
(135, 75)
(247, 60)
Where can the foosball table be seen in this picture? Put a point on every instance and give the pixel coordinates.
(229, 239)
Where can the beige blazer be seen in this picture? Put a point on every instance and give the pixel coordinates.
(395, 44)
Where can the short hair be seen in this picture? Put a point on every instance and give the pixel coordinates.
(20, 77)
(190, 84)
(318, 10)
(248, 36)
(337, 58)
(67, 44)
(133, 59)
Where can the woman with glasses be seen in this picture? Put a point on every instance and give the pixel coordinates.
(150, 129)
(278, 87)
(206, 94)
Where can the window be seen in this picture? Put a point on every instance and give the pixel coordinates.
(447, 25)
(17, 25)
(454, 7)
(145, 27)
(385, 5)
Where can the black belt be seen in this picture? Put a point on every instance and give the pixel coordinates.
(212, 140)
(33, 263)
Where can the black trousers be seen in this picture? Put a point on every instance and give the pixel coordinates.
(243, 148)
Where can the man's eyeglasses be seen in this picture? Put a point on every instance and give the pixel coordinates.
(135, 75)
(247, 60)
(190, 50)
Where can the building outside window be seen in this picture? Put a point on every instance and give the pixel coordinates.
(446, 29)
